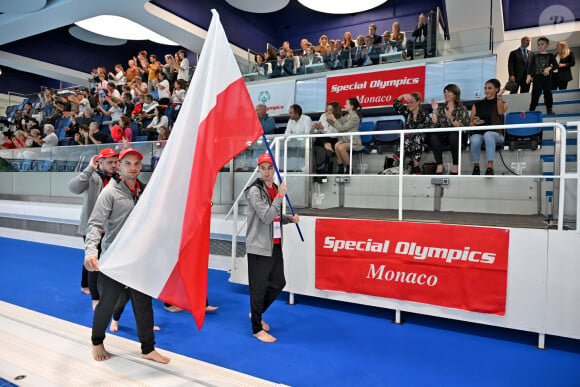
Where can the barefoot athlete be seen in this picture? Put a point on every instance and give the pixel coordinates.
(112, 209)
(264, 244)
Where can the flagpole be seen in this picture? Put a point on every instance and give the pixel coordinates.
(280, 179)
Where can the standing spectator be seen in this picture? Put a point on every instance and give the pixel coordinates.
(376, 39)
(170, 69)
(539, 71)
(415, 118)
(153, 71)
(348, 123)
(264, 244)
(518, 63)
(119, 76)
(113, 207)
(451, 114)
(183, 63)
(565, 59)
(298, 123)
(163, 92)
(419, 37)
(488, 111)
(50, 138)
(132, 72)
(267, 122)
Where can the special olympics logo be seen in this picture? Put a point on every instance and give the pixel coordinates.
(264, 97)
(552, 17)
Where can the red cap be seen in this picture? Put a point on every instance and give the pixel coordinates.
(107, 152)
(130, 151)
(265, 158)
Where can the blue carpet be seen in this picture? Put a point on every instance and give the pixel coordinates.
(321, 342)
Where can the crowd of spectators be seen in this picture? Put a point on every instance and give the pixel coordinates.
(143, 100)
(344, 53)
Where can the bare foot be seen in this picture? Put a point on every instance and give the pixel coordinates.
(85, 290)
(156, 328)
(95, 302)
(156, 356)
(265, 326)
(114, 326)
(265, 337)
(211, 309)
(172, 309)
(99, 353)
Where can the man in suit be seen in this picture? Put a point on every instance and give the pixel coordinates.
(518, 63)
(377, 39)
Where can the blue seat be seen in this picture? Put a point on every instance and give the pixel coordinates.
(367, 126)
(140, 138)
(388, 141)
(523, 138)
(135, 131)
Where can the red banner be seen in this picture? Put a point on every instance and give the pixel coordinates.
(376, 88)
(459, 267)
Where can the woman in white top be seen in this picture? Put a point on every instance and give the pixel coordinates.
(324, 146)
(159, 120)
(183, 66)
(348, 123)
(119, 77)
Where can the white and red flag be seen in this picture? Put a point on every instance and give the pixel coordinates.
(163, 248)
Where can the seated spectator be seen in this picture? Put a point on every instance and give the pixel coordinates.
(357, 58)
(163, 133)
(488, 111)
(348, 123)
(17, 141)
(415, 118)
(371, 52)
(375, 39)
(72, 127)
(347, 41)
(323, 148)
(50, 138)
(91, 134)
(451, 114)
(128, 104)
(122, 132)
(148, 107)
(289, 65)
(386, 42)
(87, 117)
(311, 57)
(34, 139)
(160, 119)
(267, 122)
(323, 46)
(298, 123)
(112, 90)
(81, 101)
(419, 37)
(260, 65)
(115, 110)
(139, 88)
(398, 39)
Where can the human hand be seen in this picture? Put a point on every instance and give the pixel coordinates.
(77, 137)
(547, 71)
(94, 161)
(501, 92)
(294, 218)
(434, 104)
(282, 189)
(528, 79)
(92, 264)
(407, 97)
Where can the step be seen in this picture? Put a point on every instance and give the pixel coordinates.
(563, 95)
(563, 107)
(569, 141)
(562, 118)
(550, 158)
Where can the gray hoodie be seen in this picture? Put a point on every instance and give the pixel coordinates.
(112, 209)
(88, 183)
(261, 215)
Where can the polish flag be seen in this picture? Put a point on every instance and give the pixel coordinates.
(163, 248)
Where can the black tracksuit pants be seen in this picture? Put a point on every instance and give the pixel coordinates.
(542, 83)
(110, 290)
(266, 278)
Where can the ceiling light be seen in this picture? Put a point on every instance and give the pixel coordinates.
(121, 28)
(341, 6)
(258, 6)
